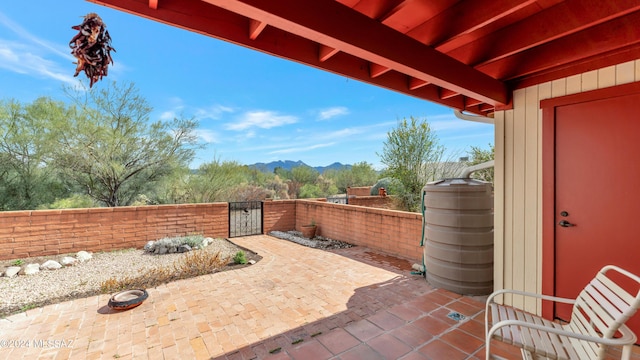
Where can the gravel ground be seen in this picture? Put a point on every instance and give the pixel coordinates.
(317, 242)
(84, 279)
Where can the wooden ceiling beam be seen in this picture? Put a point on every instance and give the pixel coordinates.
(374, 42)
(202, 18)
(378, 9)
(543, 27)
(464, 17)
(469, 102)
(326, 52)
(601, 39)
(376, 70)
(416, 83)
(255, 28)
(447, 94)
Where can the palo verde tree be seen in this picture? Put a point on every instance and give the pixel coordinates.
(411, 154)
(26, 182)
(112, 149)
(359, 174)
(301, 175)
(214, 181)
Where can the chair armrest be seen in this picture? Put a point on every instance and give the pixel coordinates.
(627, 337)
(529, 294)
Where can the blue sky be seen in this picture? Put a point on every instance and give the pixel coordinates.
(252, 107)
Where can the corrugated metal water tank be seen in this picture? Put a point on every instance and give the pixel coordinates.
(458, 235)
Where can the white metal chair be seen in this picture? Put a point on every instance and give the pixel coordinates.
(597, 321)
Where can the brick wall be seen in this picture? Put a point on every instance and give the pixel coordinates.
(381, 202)
(279, 215)
(359, 191)
(51, 232)
(394, 232)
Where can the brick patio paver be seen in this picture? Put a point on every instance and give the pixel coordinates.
(296, 303)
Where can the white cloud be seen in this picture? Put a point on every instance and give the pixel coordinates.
(300, 149)
(261, 119)
(168, 115)
(332, 112)
(362, 131)
(18, 58)
(208, 136)
(212, 112)
(60, 50)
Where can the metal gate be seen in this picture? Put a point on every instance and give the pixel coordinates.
(245, 218)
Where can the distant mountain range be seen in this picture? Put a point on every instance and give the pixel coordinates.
(288, 165)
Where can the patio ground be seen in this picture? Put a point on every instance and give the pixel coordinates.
(297, 303)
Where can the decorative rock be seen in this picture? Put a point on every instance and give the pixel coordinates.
(251, 262)
(207, 241)
(83, 256)
(12, 271)
(31, 269)
(148, 247)
(161, 250)
(184, 248)
(51, 265)
(68, 261)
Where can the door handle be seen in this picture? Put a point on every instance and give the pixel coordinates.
(565, 223)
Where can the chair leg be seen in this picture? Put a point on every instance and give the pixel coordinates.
(626, 352)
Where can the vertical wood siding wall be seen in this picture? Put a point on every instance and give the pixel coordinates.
(518, 177)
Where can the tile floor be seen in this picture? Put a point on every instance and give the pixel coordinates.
(296, 303)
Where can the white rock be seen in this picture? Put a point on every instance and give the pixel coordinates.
(68, 261)
(251, 262)
(83, 256)
(12, 271)
(207, 241)
(31, 269)
(50, 265)
(148, 247)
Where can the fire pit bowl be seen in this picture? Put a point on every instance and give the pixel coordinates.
(127, 299)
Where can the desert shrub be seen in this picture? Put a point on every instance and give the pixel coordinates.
(194, 263)
(240, 258)
(74, 202)
(195, 241)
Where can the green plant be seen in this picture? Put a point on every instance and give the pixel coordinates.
(313, 222)
(240, 257)
(17, 262)
(28, 307)
(193, 240)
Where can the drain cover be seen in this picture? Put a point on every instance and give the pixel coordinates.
(456, 316)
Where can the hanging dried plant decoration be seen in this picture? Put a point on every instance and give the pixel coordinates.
(92, 48)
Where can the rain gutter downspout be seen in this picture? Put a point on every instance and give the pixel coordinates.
(466, 172)
(477, 118)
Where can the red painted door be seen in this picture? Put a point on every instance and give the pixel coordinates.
(597, 194)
